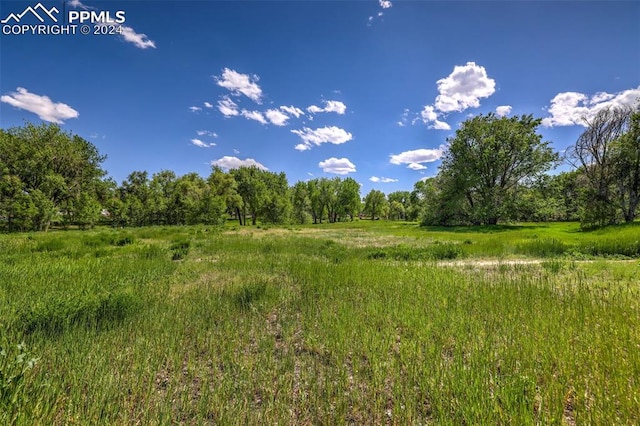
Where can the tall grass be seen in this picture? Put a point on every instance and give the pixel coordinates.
(283, 326)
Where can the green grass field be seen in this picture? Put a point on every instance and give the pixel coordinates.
(360, 323)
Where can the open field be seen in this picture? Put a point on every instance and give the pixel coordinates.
(361, 323)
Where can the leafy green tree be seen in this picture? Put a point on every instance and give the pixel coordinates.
(375, 203)
(626, 174)
(277, 203)
(135, 195)
(224, 186)
(300, 202)
(399, 204)
(329, 197)
(349, 199)
(53, 168)
(488, 159)
(161, 191)
(315, 200)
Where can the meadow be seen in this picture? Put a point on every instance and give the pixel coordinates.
(365, 322)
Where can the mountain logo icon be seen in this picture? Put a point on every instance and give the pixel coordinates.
(38, 11)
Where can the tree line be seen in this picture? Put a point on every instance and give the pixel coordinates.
(495, 169)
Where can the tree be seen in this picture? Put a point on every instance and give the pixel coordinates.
(329, 196)
(399, 204)
(600, 153)
(626, 175)
(53, 170)
(375, 203)
(223, 185)
(300, 201)
(348, 198)
(135, 195)
(488, 158)
(315, 200)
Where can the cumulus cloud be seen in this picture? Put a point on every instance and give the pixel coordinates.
(208, 105)
(572, 108)
(253, 115)
(42, 106)
(310, 137)
(382, 179)
(460, 90)
(430, 117)
(201, 144)
(238, 84)
(415, 158)
(503, 110)
(291, 110)
(276, 117)
(463, 88)
(227, 107)
(330, 106)
(195, 108)
(339, 166)
(228, 162)
(385, 4)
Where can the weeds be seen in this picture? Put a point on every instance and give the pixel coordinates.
(320, 325)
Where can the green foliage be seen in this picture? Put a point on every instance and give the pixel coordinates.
(486, 161)
(375, 204)
(46, 172)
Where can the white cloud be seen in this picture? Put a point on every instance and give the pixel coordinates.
(199, 143)
(572, 108)
(428, 115)
(382, 179)
(195, 108)
(415, 158)
(228, 162)
(140, 40)
(333, 134)
(503, 110)
(297, 112)
(253, 115)
(235, 151)
(463, 88)
(227, 107)
(276, 117)
(339, 166)
(404, 119)
(42, 106)
(239, 83)
(416, 166)
(207, 133)
(385, 4)
(208, 105)
(330, 106)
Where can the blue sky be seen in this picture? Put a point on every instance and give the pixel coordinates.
(366, 89)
